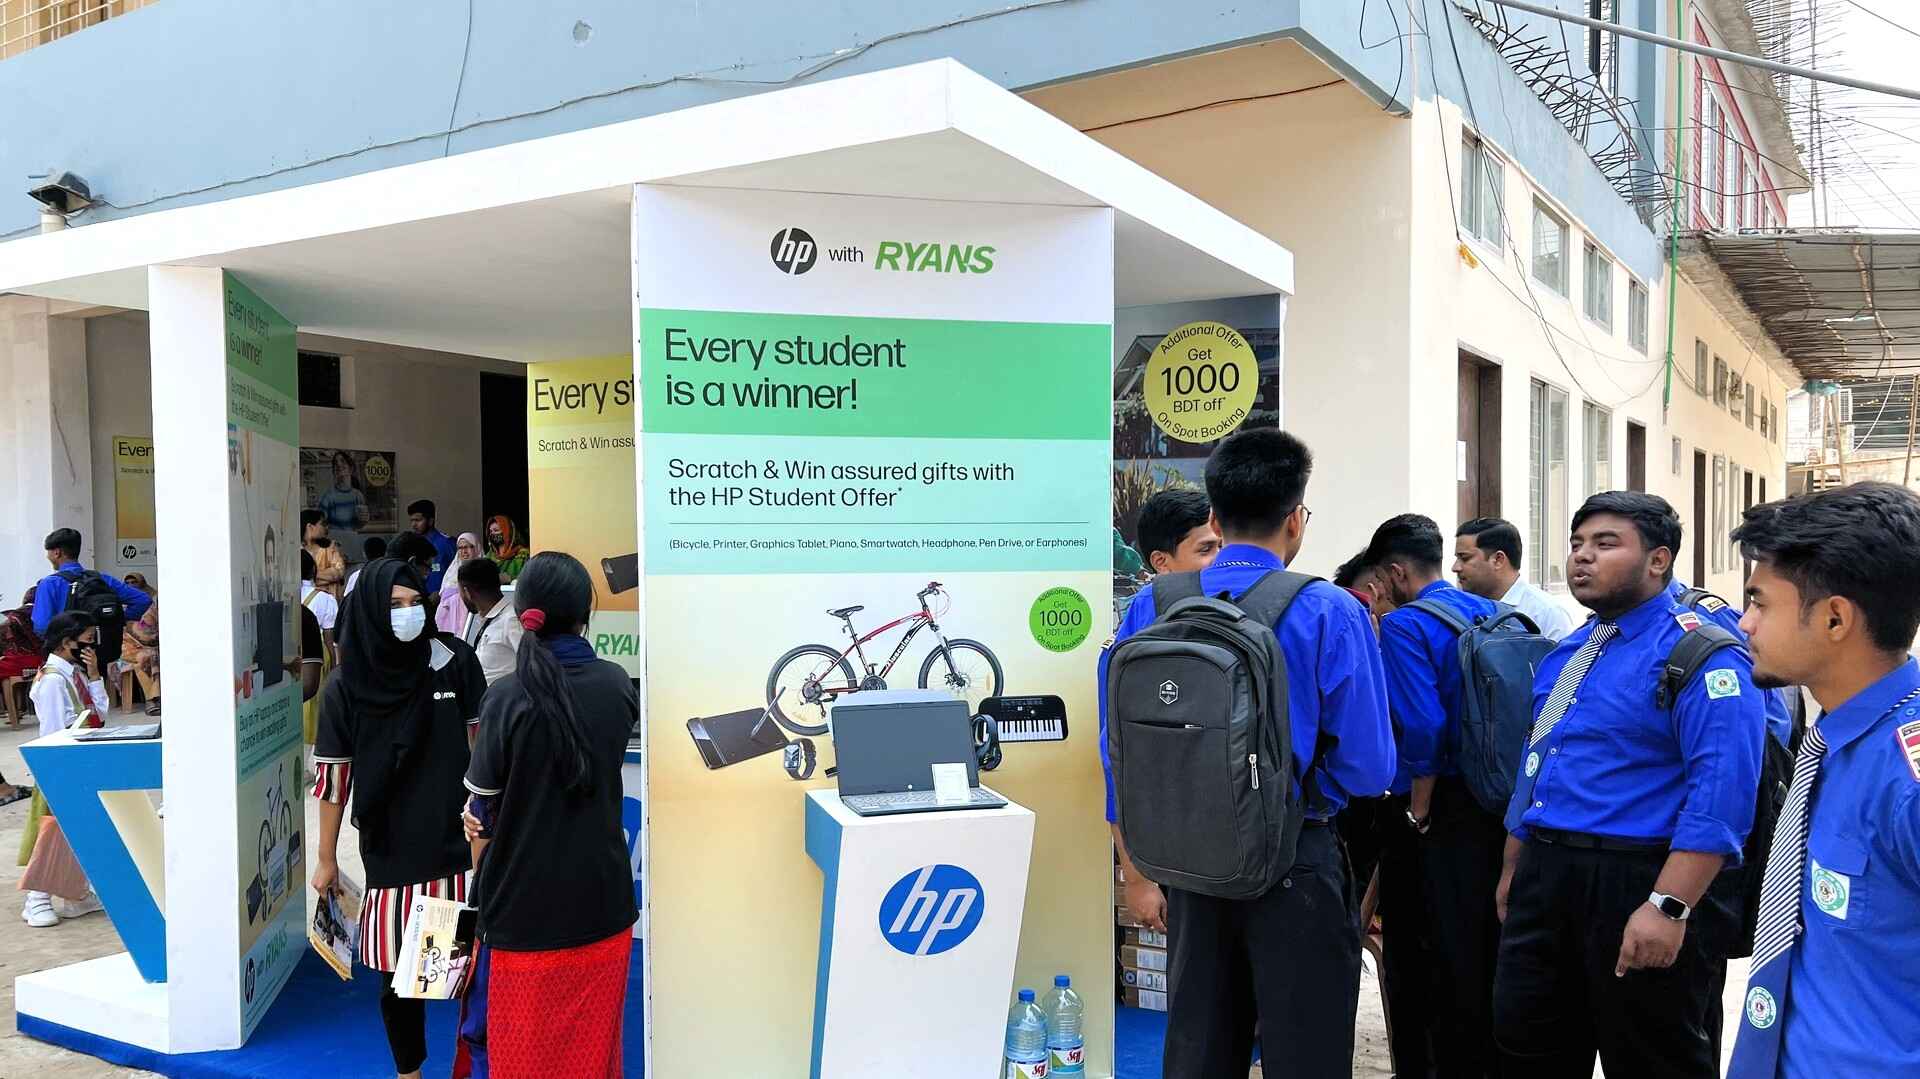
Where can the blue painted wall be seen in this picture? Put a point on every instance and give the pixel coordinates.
(198, 100)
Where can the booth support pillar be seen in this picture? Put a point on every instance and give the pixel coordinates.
(193, 516)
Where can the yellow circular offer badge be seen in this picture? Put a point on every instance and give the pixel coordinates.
(378, 470)
(1201, 382)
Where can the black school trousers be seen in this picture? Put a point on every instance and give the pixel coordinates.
(1458, 864)
(1377, 835)
(1288, 961)
(1556, 1001)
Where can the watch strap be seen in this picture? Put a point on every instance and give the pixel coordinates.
(1671, 906)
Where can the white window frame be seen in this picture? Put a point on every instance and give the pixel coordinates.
(1639, 312)
(1548, 479)
(1736, 392)
(1596, 447)
(1544, 219)
(1483, 178)
(1721, 373)
(1702, 373)
(1715, 547)
(1596, 285)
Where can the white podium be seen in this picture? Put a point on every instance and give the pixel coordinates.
(919, 926)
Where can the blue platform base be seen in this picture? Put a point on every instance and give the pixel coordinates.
(320, 1025)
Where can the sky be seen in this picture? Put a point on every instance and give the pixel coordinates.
(1876, 173)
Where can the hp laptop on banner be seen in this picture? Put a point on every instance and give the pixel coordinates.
(907, 751)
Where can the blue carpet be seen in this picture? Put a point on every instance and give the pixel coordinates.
(320, 1025)
(1137, 1037)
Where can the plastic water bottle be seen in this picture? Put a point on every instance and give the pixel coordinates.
(1026, 1040)
(1066, 1025)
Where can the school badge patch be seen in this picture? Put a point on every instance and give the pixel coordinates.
(1722, 683)
(1687, 620)
(1909, 736)
(1762, 1012)
(1533, 764)
(1831, 891)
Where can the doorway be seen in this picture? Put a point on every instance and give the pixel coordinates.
(1477, 453)
(1636, 457)
(503, 447)
(1699, 520)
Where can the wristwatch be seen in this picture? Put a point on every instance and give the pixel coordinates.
(1671, 906)
(1420, 824)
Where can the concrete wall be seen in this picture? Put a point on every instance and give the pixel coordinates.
(423, 406)
(43, 429)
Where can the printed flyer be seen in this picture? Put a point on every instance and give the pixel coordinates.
(875, 452)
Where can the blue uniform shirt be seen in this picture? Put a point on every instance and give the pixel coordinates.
(1619, 765)
(1727, 616)
(50, 597)
(1854, 989)
(1421, 658)
(1334, 684)
(443, 545)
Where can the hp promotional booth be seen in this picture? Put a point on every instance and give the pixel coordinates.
(821, 386)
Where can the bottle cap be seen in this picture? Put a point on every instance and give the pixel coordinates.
(1062, 980)
(1026, 996)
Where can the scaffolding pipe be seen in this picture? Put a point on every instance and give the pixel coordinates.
(1718, 54)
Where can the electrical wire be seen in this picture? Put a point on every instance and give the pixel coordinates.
(708, 77)
(1225, 101)
(1857, 6)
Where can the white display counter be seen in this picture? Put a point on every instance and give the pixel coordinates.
(919, 925)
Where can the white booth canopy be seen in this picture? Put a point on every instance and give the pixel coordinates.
(522, 251)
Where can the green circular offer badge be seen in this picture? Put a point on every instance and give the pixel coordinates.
(1201, 382)
(1060, 619)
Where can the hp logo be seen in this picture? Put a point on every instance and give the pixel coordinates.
(794, 251)
(932, 909)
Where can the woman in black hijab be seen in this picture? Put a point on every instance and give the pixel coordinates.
(396, 721)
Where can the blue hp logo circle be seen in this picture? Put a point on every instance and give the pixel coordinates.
(932, 909)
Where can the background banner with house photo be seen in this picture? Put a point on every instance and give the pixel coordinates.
(1185, 376)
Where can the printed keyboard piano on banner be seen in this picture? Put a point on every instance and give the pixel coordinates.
(1027, 719)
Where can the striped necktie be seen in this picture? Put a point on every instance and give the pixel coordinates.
(1756, 1055)
(1568, 684)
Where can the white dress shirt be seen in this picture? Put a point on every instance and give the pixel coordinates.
(54, 696)
(1554, 620)
(495, 637)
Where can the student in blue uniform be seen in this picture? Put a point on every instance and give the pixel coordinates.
(1622, 815)
(1451, 845)
(1833, 605)
(1289, 960)
(1727, 616)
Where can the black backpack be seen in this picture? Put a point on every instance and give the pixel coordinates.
(90, 592)
(1499, 655)
(1737, 889)
(1198, 735)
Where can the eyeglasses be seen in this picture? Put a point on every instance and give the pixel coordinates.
(1303, 508)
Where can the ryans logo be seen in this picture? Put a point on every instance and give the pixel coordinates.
(794, 251)
(1169, 691)
(932, 909)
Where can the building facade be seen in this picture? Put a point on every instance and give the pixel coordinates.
(1480, 202)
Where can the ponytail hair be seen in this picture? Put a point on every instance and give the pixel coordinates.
(553, 596)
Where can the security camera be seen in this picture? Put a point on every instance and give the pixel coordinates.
(62, 193)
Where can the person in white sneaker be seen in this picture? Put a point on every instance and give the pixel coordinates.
(68, 691)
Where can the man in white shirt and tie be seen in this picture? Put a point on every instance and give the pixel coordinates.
(1486, 559)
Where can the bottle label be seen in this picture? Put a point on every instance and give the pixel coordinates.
(1065, 1062)
(1027, 1069)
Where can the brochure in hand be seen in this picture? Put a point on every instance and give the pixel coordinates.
(436, 950)
(335, 929)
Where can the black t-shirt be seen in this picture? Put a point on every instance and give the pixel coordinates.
(421, 835)
(556, 874)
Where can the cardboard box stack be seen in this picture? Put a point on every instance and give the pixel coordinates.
(1141, 955)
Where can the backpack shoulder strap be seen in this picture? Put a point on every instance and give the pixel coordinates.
(1171, 588)
(1690, 653)
(1269, 598)
(1447, 616)
(1701, 599)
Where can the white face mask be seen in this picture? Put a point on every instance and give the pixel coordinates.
(408, 621)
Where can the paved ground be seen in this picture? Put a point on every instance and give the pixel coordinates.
(24, 950)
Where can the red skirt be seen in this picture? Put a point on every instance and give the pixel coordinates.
(558, 1012)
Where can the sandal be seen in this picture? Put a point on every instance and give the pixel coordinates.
(20, 794)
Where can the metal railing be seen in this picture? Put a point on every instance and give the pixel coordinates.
(25, 24)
